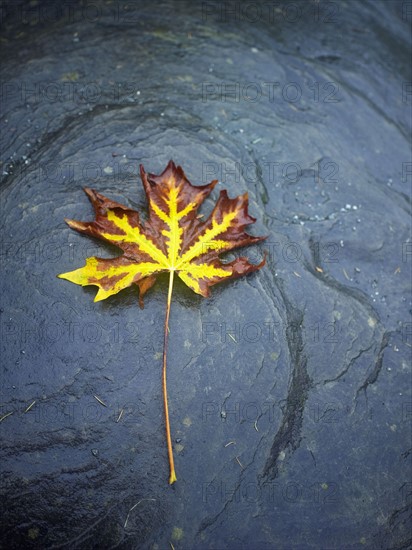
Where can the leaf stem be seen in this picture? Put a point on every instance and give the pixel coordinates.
(172, 477)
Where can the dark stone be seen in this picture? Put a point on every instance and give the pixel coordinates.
(290, 389)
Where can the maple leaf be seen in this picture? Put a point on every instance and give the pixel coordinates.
(174, 239)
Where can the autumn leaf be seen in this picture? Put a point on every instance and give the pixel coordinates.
(174, 239)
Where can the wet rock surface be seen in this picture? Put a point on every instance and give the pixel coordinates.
(289, 390)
